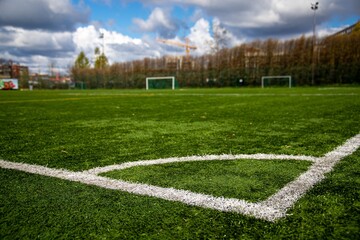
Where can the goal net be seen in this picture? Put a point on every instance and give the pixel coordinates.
(161, 83)
(276, 81)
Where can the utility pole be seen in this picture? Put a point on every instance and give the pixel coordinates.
(314, 7)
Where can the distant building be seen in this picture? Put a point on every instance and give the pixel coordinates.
(9, 69)
(48, 81)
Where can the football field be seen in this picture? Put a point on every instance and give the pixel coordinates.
(182, 164)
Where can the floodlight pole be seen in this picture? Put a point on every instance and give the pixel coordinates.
(103, 43)
(314, 7)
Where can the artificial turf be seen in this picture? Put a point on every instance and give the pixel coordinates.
(79, 130)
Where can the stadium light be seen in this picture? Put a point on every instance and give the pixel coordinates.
(314, 7)
(101, 36)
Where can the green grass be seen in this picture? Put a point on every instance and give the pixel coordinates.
(79, 130)
(252, 180)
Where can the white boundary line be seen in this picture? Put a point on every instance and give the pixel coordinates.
(272, 209)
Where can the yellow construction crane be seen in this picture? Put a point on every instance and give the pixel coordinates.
(186, 45)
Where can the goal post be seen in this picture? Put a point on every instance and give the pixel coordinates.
(160, 82)
(287, 78)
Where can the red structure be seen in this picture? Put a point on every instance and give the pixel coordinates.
(8, 69)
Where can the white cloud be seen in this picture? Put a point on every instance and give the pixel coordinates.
(52, 15)
(39, 48)
(223, 37)
(32, 47)
(268, 18)
(55, 6)
(323, 32)
(35, 39)
(118, 47)
(86, 39)
(200, 36)
(159, 21)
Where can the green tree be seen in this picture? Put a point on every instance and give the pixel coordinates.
(101, 61)
(82, 61)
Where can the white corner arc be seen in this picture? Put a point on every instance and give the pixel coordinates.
(271, 209)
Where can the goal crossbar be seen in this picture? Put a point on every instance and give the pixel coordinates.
(161, 78)
(271, 77)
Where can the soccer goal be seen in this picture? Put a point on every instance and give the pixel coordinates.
(269, 81)
(161, 83)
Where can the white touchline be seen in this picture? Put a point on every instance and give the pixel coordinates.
(272, 209)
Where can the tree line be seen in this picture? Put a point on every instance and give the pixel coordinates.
(331, 60)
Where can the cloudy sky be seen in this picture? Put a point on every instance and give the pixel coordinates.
(40, 33)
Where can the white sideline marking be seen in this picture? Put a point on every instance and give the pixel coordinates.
(272, 209)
